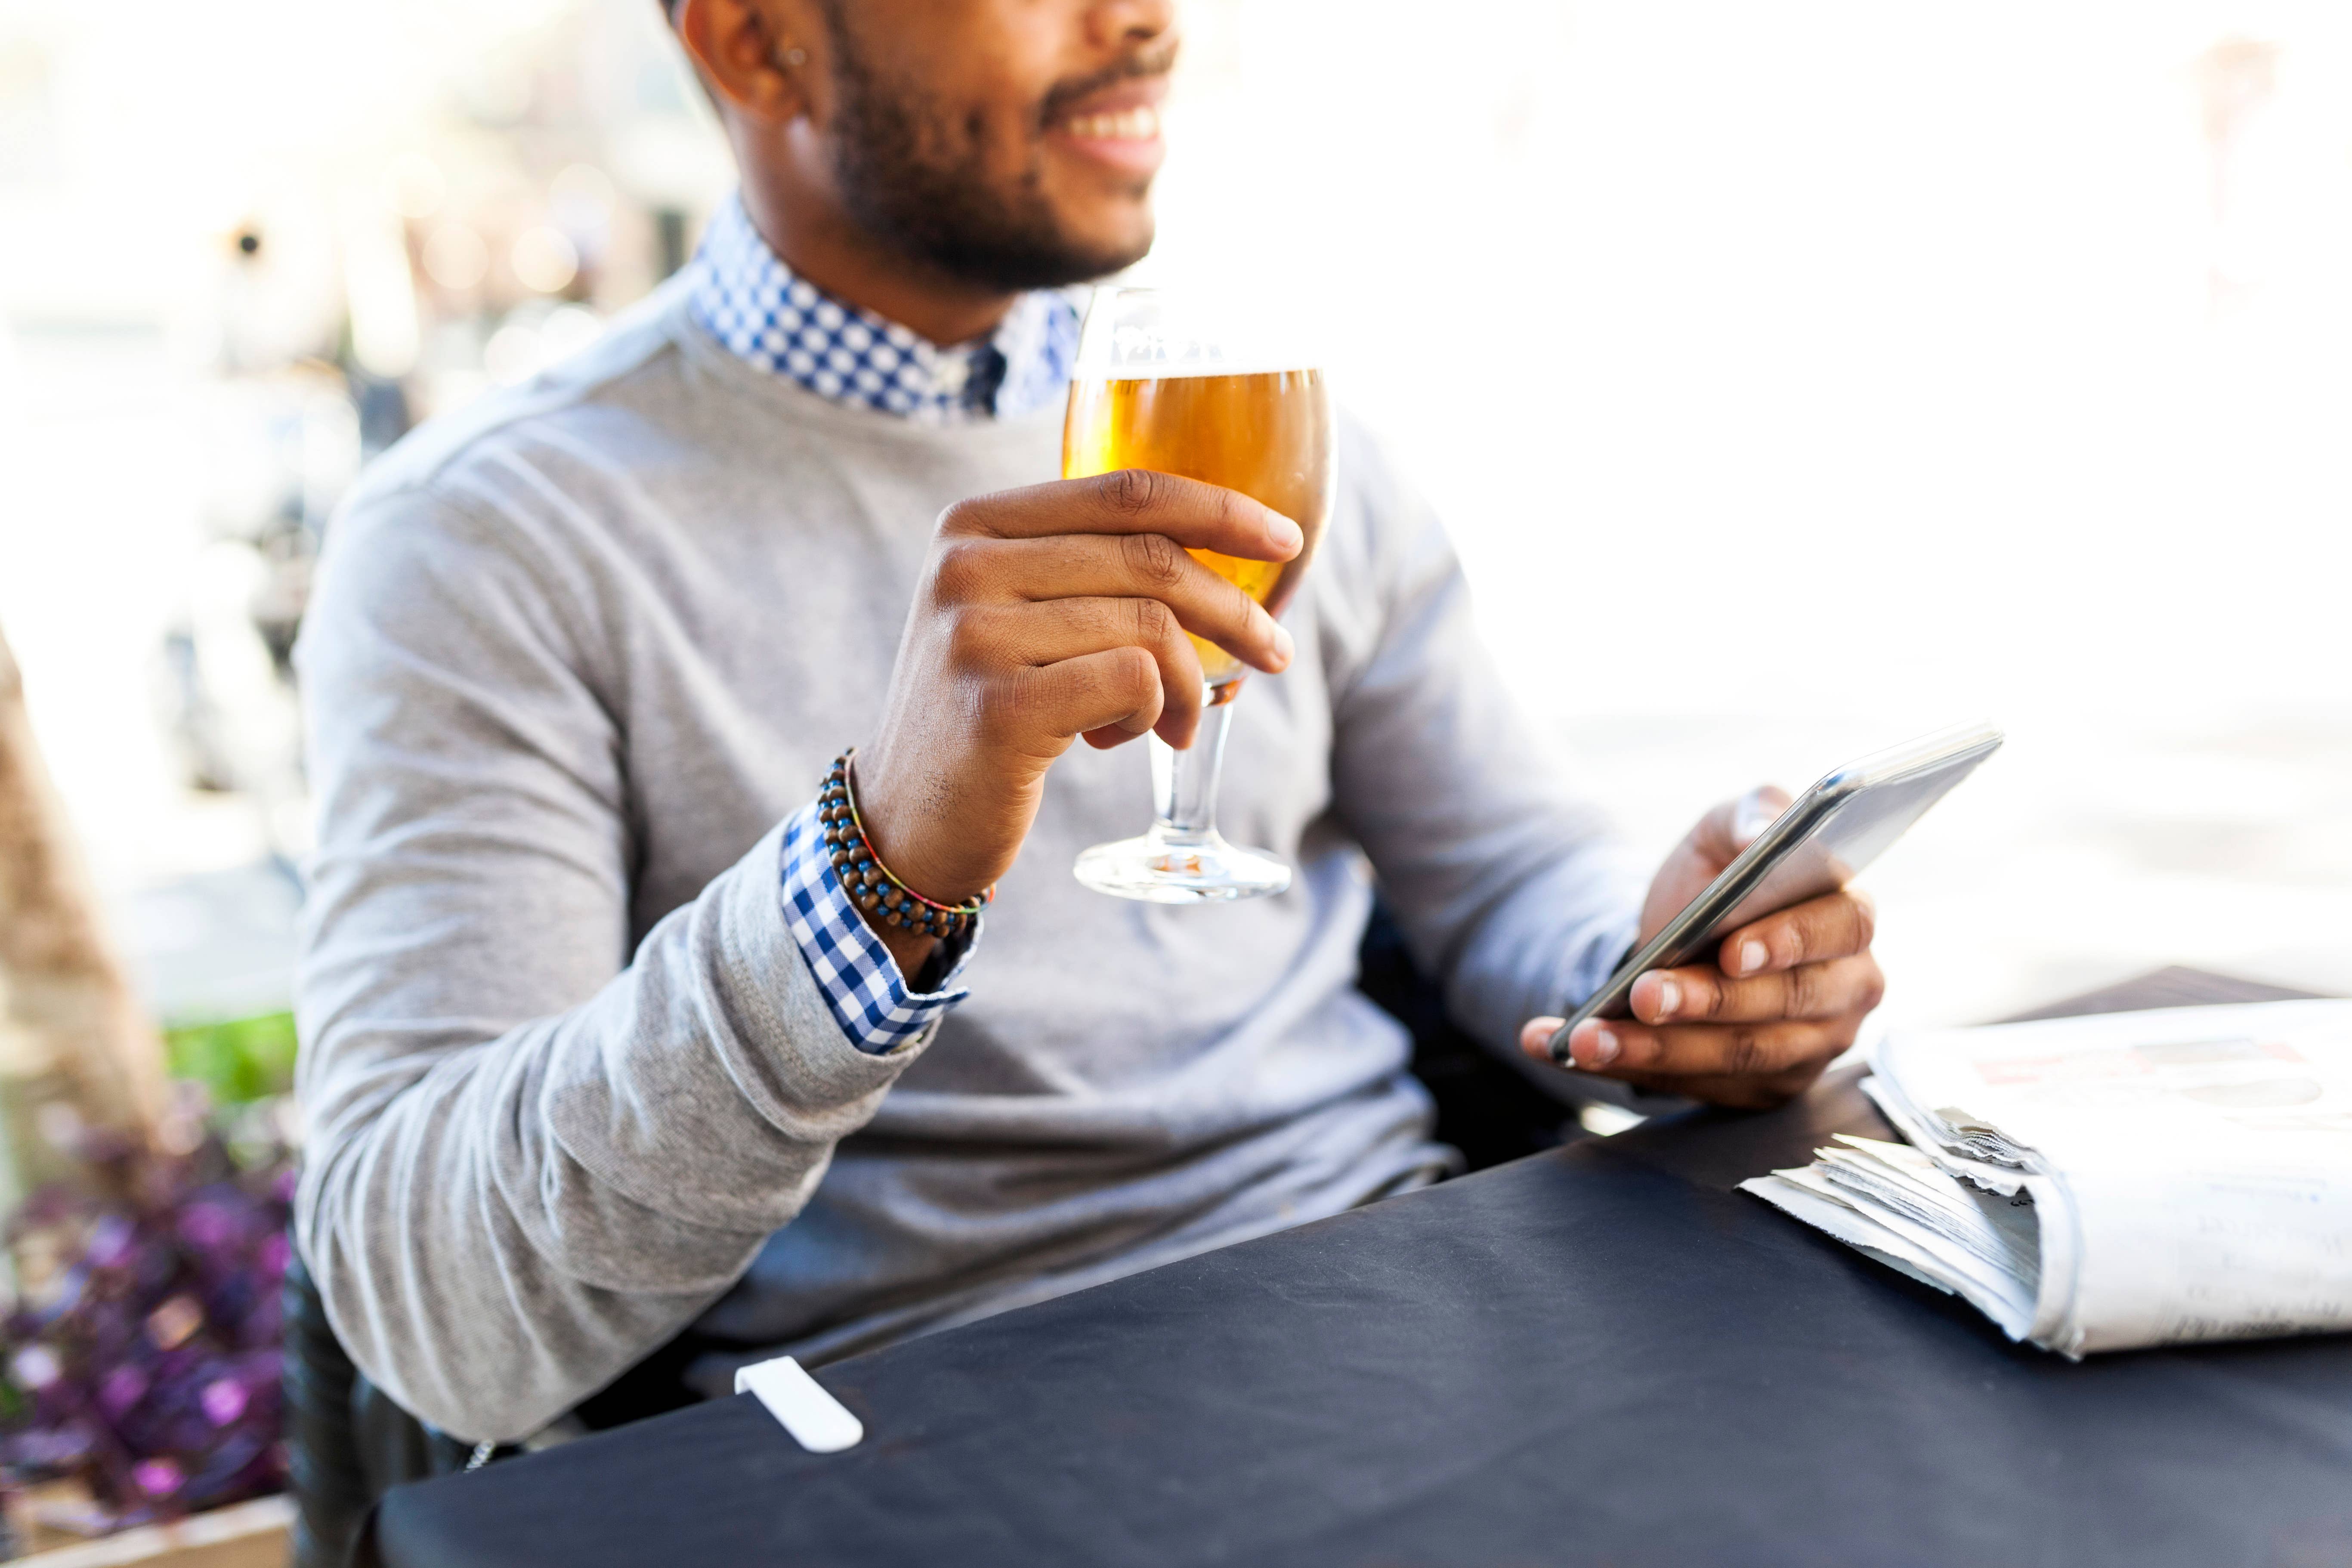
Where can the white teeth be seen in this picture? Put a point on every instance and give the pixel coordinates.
(1139, 124)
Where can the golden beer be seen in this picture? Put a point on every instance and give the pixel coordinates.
(1266, 434)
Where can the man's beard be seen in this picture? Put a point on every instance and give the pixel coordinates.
(909, 179)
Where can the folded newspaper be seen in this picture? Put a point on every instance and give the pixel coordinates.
(2104, 1183)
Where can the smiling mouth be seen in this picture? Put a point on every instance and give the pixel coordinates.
(1140, 123)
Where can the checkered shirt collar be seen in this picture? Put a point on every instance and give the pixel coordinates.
(744, 296)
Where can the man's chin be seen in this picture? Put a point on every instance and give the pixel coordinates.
(1059, 262)
(1114, 258)
(1107, 237)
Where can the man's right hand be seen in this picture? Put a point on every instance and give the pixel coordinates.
(1045, 614)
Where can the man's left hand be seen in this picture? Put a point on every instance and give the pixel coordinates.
(1783, 998)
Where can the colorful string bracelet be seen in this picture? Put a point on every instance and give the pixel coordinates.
(872, 886)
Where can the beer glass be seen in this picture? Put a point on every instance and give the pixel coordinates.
(1180, 384)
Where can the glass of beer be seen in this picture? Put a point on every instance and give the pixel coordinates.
(1178, 384)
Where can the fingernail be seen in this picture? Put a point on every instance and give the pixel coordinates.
(1284, 532)
(1283, 644)
(1604, 1049)
(1752, 957)
(1670, 998)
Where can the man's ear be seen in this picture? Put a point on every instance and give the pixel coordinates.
(748, 57)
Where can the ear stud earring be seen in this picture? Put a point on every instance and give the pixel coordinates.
(796, 56)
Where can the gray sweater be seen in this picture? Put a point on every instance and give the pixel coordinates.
(568, 1084)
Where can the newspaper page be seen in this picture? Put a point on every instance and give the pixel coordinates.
(2188, 1170)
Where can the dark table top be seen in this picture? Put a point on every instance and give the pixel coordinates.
(1598, 1355)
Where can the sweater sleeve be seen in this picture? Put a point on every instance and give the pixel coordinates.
(532, 1154)
(1511, 890)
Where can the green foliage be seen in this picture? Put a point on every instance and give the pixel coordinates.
(241, 1061)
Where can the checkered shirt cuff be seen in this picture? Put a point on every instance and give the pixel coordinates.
(860, 978)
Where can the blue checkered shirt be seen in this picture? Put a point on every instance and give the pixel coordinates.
(746, 298)
(860, 980)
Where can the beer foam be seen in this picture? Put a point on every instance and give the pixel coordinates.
(1101, 367)
(1146, 334)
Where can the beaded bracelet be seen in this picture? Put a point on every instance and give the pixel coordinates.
(871, 885)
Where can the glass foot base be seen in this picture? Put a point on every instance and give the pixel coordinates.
(1161, 870)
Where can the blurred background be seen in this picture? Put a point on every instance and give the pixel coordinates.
(1795, 378)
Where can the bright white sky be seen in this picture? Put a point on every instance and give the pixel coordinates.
(1830, 357)
(1795, 377)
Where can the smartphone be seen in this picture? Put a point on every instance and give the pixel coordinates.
(1822, 841)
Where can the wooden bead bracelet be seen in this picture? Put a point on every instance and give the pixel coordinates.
(872, 886)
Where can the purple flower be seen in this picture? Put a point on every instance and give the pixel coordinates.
(120, 1389)
(111, 1242)
(156, 1478)
(225, 1400)
(206, 1226)
(150, 1360)
(49, 1447)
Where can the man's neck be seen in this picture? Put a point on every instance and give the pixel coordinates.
(819, 244)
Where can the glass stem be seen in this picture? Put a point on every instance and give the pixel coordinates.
(1184, 783)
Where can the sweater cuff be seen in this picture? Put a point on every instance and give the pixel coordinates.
(853, 971)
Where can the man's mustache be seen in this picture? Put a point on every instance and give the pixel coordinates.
(1154, 59)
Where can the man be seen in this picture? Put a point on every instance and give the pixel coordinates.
(597, 1049)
